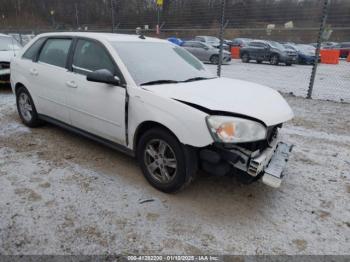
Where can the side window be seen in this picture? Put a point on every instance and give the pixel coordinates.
(90, 56)
(187, 44)
(55, 52)
(197, 45)
(32, 51)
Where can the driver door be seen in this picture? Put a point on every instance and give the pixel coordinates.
(97, 108)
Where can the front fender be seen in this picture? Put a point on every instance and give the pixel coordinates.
(187, 123)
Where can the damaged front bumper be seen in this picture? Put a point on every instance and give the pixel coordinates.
(249, 166)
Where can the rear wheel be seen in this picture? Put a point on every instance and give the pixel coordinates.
(274, 60)
(26, 108)
(163, 161)
(259, 61)
(214, 59)
(288, 64)
(245, 58)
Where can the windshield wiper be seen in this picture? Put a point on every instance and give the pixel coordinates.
(197, 79)
(158, 82)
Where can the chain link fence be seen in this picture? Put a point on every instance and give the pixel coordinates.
(318, 31)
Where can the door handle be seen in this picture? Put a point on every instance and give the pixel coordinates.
(71, 84)
(34, 72)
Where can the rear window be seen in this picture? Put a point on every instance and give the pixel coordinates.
(55, 52)
(32, 51)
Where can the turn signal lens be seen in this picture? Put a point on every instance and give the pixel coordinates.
(226, 131)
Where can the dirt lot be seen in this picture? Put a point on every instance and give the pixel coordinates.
(62, 194)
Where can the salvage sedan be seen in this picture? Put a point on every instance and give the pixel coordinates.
(153, 100)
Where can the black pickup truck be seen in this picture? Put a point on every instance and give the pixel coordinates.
(269, 51)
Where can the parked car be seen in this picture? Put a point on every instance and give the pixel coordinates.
(154, 100)
(306, 53)
(23, 39)
(8, 49)
(325, 45)
(176, 41)
(270, 51)
(344, 49)
(241, 42)
(205, 52)
(211, 40)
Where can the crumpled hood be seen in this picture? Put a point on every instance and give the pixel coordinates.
(230, 95)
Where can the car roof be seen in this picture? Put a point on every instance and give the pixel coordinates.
(105, 36)
(260, 41)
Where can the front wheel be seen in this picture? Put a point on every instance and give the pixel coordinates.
(274, 60)
(163, 161)
(245, 58)
(26, 108)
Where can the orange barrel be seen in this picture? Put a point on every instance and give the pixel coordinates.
(330, 56)
(348, 59)
(235, 52)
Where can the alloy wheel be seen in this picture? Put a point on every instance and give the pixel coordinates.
(160, 161)
(25, 107)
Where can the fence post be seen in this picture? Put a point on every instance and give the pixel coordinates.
(318, 48)
(221, 36)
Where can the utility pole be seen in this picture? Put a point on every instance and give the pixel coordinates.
(113, 15)
(221, 36)
(52, 13)
(77, 15)
(326, 5)
(159, 6)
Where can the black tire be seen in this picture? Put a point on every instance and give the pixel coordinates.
(274, 59)
(32, 119)
(214, 59)
(245, 58)
(288, 64)
(259, 61)
(186, 167)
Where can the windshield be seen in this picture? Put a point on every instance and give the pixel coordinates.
(212, 39)
(277, 45)
(8, 44)
(149, 62)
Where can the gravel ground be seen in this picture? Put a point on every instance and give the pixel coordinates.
(62, 194)
(332, 82)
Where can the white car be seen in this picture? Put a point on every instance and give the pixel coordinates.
(8, 49)
(153, 100)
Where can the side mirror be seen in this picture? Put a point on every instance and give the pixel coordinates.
(103, 76)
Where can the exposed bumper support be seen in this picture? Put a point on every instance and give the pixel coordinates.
(251, 166)
(274, 170)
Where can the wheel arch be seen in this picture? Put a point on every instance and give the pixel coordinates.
(17, 86)
(147, 125)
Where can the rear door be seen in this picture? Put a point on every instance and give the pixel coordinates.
(258, 50)
(96, 107)
(47, 74)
